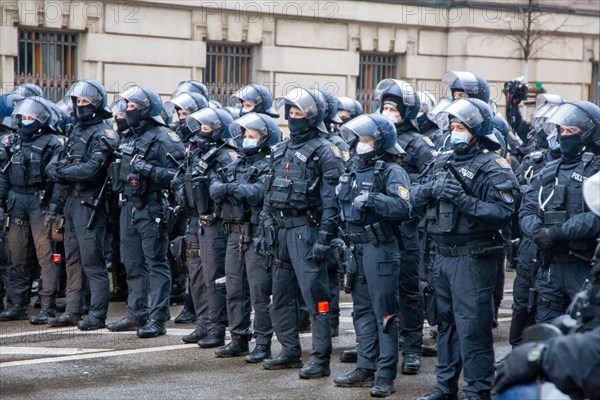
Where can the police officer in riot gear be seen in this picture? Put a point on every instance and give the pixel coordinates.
(527, 265)
(150, 157)
(400, 102)
(185, 104)
(374, 198)
(348, 109)
(468, 196)
(85, 222)
(208, 151)
(463, 84)
(426, 124)
(7, 129)
(299, 219)
(239, 187)
(332, 120)
(29, 90)
(30, 199)
(254, 98)
(191, 86)
(553, 213)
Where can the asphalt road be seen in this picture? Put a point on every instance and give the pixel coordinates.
(65, 363)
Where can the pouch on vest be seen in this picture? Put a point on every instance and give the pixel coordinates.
(137, 184)
(188, 184)
(125, 166)
(113, 171)
(280, 192)
(201, 194)
(299, 197)
(446, 216)
(18, 172)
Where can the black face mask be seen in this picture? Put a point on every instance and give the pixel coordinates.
(299, 129)
(122, 124)
(85, 113)
(344, 120)
(133, 117)
(183, 131)
(570, 146)
(26, 132)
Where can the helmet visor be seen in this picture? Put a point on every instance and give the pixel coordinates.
(464, 110)
(84, 90)
(119, 108)
(439, 107)
(248, 121)
(301, 99)
(569, 116)
(32, 108)
(409, 93)
(182, 101)
(247, 93)
(136, 95)
(206, 117)
(461, 80)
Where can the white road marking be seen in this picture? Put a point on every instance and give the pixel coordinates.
(95, 355)
(49, 351)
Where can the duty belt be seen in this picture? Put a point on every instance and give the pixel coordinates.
(237, 228)
(568, 257)
(461, 251)
(26, 189)
(140, 202)
(82, 193)
(375, 233)
(277, 263)
(292, 222)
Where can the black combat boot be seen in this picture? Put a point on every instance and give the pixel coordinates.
(125, 325)
(259, 354)
(314, 371)
(429, 350)
(384, 387)
(213, 339)
(196, 336)
(91, 324)
(64, 319)
(153, 328)
(437, 394)
(14, 313)
(411, 363)
(349, 355)
(186, 316)
(484, 395)
(43, 317)
(236, 348)
(360, 377)
(282, 361)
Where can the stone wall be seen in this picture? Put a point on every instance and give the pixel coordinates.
(161, 42)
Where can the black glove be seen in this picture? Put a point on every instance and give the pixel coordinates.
(2, 217)
(360, 201)
(435, 189)
(141, 167)
(236, 191)
(546, 237)
(322, 247)
(523, 364)
(451, 189)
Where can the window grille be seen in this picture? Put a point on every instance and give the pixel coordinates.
(47, 59)
(228, 67)
(373, 69)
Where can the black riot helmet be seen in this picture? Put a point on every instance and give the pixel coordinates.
(257, 94)
(191, 86)
(210, 123)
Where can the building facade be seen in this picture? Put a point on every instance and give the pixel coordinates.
(343, 46)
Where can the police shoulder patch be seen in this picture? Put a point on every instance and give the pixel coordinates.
(346, 155)
(503, 163)
(336, 151)
(61, 140)
(428, 141)
(233, 155)
(403, 193)
(174, 137)
(110, 134)
(6, 139)
(507, 196)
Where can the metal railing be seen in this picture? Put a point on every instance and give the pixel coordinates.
(222, 91)
(47, 59)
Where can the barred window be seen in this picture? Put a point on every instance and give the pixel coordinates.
(48, 59)
(228, 67)
(373, 69)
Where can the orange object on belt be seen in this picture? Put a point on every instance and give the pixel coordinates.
(323, 306)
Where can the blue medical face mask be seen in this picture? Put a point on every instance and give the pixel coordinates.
(26, 122)
(553, 143)
(249, 143)
(459, 137)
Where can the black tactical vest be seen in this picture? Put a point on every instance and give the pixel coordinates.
(295, 179)
(355, 183)
(27, 167)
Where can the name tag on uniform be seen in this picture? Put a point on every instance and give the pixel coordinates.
(466, 173)
(301, 156)
(578, 177)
